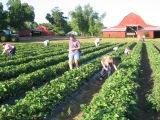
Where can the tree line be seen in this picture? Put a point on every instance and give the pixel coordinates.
(84, 20)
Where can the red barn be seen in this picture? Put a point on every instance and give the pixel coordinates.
(45, 31)
(132, 25)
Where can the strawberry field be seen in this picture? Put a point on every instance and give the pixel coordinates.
(37, 84)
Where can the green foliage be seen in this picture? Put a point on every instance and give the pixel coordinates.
(30, 25)
(10, 71)
(86, 21)
(19, 13)
(3, 17)
(117, 97)
(39, 102)
(59, 22)
(26, 81)
(154, 58)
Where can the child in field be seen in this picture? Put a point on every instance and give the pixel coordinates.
(74, 51)
(9, 49)
(115, 48)
(127, 51)
(46, 42)
(108, 66)
(97, 42)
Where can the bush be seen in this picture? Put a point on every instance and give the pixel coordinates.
(3, 38)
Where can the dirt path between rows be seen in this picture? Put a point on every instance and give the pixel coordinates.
(146, 83)
(72, 109)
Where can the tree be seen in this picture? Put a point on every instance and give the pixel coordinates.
(30, 25)
(86, 21)
(3, 17)
(19, 14)
(59, 22)
(78, 21)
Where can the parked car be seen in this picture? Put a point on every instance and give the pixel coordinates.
(7, 36)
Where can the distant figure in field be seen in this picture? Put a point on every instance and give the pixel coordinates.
(97, 42)
(127, 51)
(9, 49)
(74, 51)
(108, 66)
(143, 38)
(115, 48)
(46, 43)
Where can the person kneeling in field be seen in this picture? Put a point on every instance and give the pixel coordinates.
(9, 49)
(74, 51)
(108, 66)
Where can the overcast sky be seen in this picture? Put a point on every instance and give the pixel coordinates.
(115, 10)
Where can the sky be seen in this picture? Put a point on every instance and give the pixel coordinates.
(115, 10)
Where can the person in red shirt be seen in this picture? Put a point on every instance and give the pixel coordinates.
(9, 49)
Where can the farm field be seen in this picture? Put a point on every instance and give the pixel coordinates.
(37, 84)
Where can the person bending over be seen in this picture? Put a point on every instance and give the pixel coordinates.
(108, 66)
(9, 49)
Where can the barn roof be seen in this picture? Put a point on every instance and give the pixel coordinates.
(131, 19)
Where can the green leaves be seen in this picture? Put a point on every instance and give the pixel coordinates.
(154, 58)
(39, 102)
(58, 21)
(20, 13)
(117, 93)
(86, 20)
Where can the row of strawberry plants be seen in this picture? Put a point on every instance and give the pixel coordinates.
(28, 47)
(9, 61)
(13, 71)
(34, 47)
(154, 58)
(38, 103)
(26, 52)
(41, 56)
(38, 48)
(25, 81)
(117, 97)
(22, 48)
(48, 49)
(5, 57)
